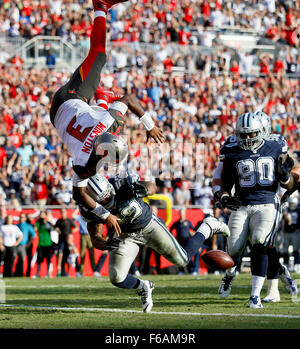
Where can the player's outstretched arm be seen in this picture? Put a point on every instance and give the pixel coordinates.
(83, 198)
(135, 106)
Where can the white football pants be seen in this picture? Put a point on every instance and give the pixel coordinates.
(256, 223)
(154, 235)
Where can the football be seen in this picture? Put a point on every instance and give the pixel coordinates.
(218, 260)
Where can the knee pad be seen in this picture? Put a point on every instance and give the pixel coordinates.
(116, 277)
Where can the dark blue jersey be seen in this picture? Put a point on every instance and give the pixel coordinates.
(254, 173)
(134, 213)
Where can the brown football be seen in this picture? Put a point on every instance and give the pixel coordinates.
(218, 260)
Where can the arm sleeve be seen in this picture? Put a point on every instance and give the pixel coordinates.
(79, 182)
(218, 171)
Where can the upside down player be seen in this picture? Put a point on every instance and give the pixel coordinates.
(140, 226)
(85, 129)
(275, 268)
(255, 167)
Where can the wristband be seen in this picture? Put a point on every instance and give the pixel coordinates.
(223, 196)
(284, 183)
(100, 211)
(147, 121)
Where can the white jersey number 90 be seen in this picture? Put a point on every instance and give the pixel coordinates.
(261, 171)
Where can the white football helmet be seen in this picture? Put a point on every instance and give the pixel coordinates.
(266, 123)
(101, 190)
(293, 202)
(112, 148)
(248, 131)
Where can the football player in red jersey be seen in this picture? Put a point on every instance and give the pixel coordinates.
(82, 127)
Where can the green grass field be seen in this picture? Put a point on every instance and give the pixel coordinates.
(180, 302)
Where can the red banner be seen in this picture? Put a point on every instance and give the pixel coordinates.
(194, 215)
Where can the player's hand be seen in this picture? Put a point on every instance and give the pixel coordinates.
(140, 190)
(156, 134)
(112, 244)
(284, 168)
(217, 199)
(231, 202)
(112, 222)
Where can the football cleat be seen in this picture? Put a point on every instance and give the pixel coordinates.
(216, 226)
(226, 285)
(146, 295)
(105, 5)
(104, 97)
(272, 297)
(287, 280)
(254, 302)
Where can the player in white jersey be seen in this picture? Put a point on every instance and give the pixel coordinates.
(91, 133)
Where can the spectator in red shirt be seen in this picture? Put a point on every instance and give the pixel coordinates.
(16, 136)
(205, 8)
(168, 63)
(3, 157)
(264, 65)
(40, 189)
(235, 69)
(278, 66)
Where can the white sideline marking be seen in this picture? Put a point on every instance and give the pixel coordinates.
(36, 307)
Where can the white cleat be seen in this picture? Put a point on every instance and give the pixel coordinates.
(272, 298)
(226, 285)
(216, 226)
(146, 295)
(287, 280)
(255, 303)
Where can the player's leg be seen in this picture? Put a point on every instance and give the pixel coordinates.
(120, 261)
(162, 241)
(82, 252)
(296, 247)
(86, 78)
(261, 226)
(273, 294)
(274, 265)
(91, 255)
(236, 243)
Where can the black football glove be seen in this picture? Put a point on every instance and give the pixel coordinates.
(217, 199)
(140, 190)
(284, 168)
(231, 202)
(112, 244)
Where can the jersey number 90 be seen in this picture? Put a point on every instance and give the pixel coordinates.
(261, 171)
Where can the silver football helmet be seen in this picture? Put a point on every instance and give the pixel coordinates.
(266, 123)
(101, 190)
(249, 131)
(112, 148)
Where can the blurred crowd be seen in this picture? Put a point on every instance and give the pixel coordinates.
(153, 21)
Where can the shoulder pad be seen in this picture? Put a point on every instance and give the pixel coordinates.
(227, 150)
(230, 140)
(278, 143)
